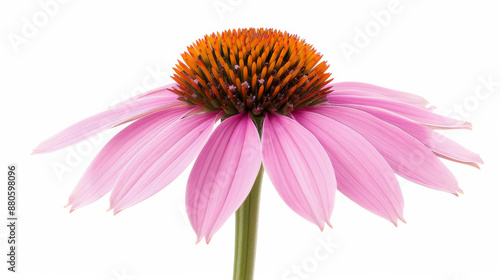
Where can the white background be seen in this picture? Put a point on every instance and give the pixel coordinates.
(87, 55)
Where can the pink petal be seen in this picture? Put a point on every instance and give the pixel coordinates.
(411, 112)
(102, 121)
(162, 160)
(362, 173)
(438, 143)
(163, 91)
(407, 156)
(223, 174)
(363, 89)
(299, 168)
(107, 165)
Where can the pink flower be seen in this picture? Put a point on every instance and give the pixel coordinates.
(317, 136)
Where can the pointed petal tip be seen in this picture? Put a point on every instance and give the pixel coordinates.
(466, 125)
(71, 211)
(395, 223)
(116, 212)
(403, 220)
(43, 147)
(329, 224)
(198, 239)
(479, 160)
(460, 191)
(39, 149)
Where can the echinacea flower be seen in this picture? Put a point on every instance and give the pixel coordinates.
(278, 106)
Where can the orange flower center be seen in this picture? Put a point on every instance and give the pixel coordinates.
(255, 70)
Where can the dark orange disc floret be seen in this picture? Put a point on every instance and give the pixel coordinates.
(255, 70)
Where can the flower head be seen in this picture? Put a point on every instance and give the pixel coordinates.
(254, 70)
(278, 107)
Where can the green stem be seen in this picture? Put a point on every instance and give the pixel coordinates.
(247, 217)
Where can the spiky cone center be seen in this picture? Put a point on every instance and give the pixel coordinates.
(256, 70)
